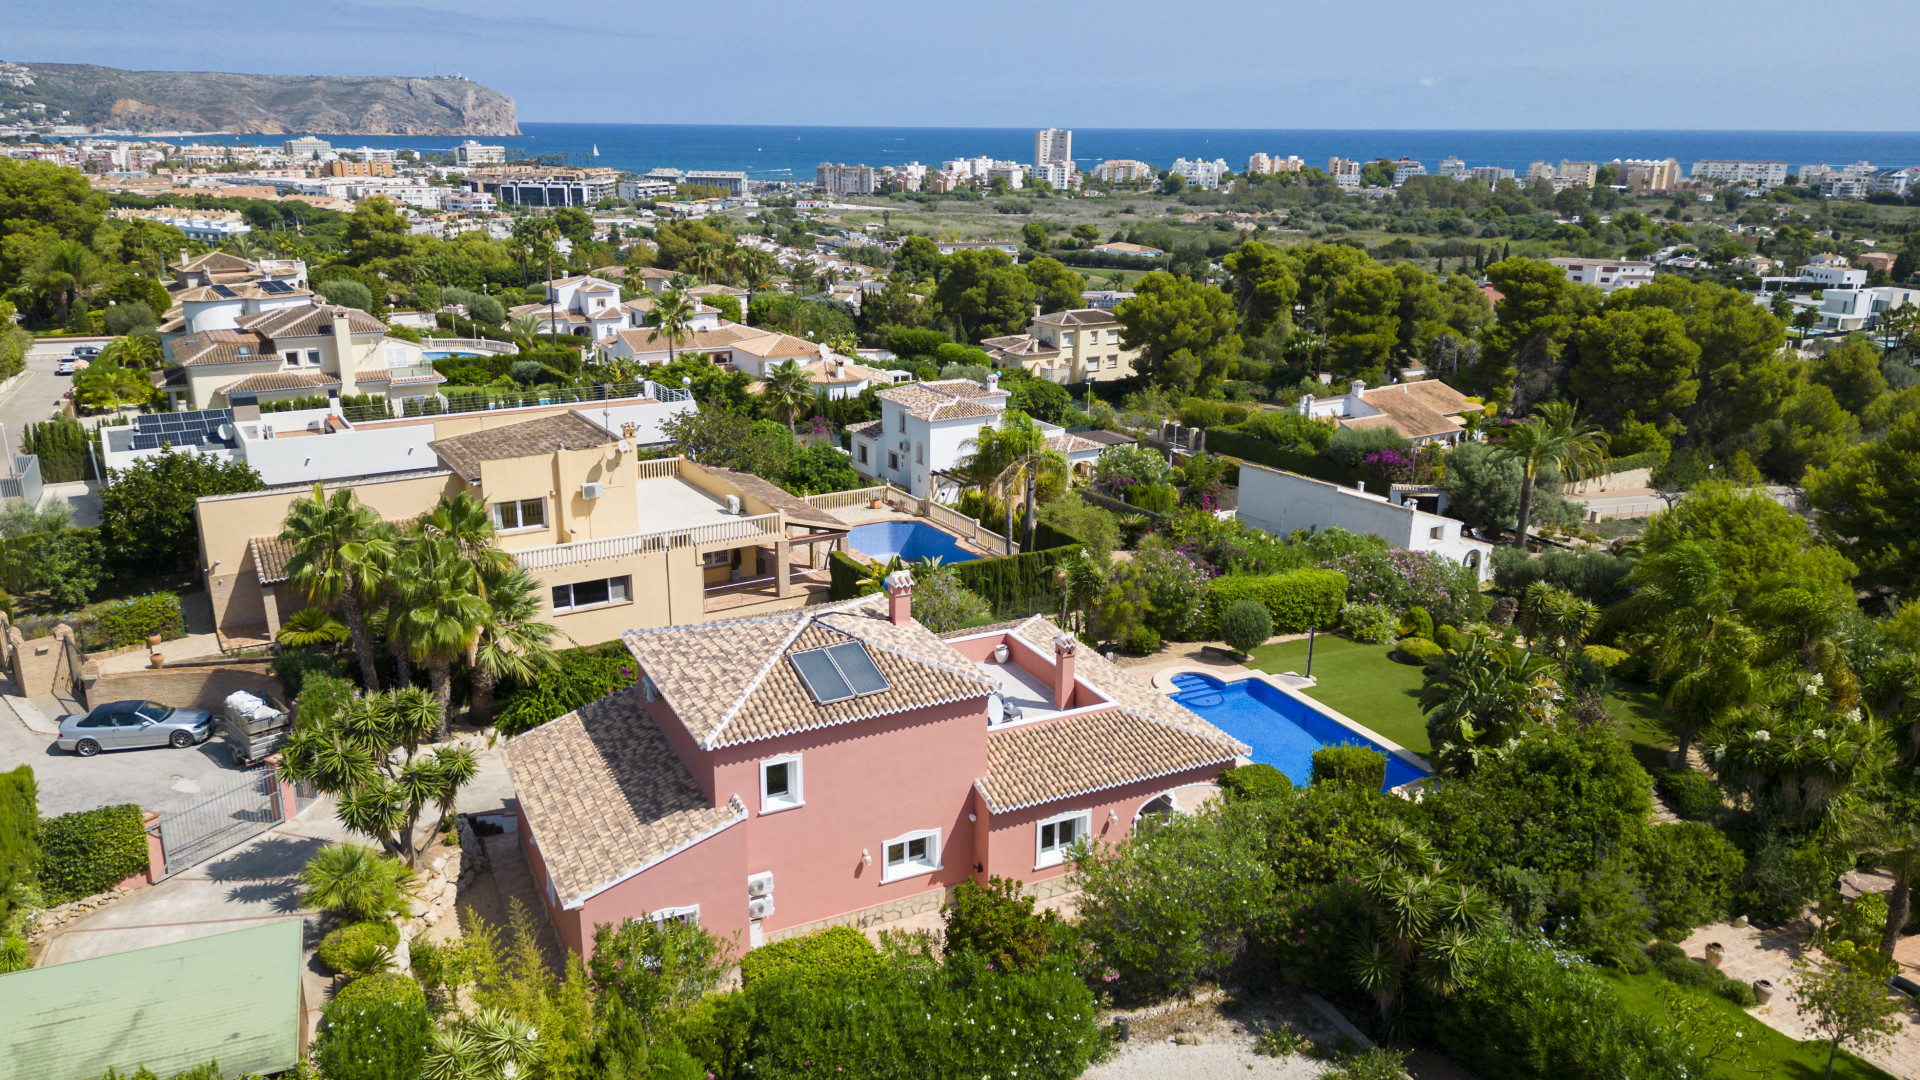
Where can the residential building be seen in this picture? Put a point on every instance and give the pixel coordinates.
(1264, 163)
(268, 346)
(1059, 174)
(1540, 170)
(1122, 171)
(926, 432)
(1280, 503)
(1489, 174)
(1200, 173)
(1830, 271)
(307, 148)
(1419, 412)
(1764, 174)
(357, 168)
(734, 182)
(469, 202)
(616, 542)
(1121, 247)
(1453, 168)
(1052, 146)
(530, 185)
(637, 190)
(1854, 181)
(1405, 168)
(583, 306)
(1638, 174)
(1067, 347)
(1850, 309)
(1577, 173)
(1607, 274)
(844, 179)
(473, 152)
(205, 228)
(1012, 173)
(220, 268)
(1345, 172)
(1877, 260)
(1106, 299)
(843, 766)
(1891, 181)
(948, 247)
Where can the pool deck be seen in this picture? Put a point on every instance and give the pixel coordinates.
(1290, 685)
(856, 516)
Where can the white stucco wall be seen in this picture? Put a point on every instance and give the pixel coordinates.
(1281, 502)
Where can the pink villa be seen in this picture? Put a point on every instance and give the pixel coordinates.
(843, 765)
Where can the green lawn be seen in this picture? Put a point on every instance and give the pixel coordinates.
(1782, 1057)
(1360, 681)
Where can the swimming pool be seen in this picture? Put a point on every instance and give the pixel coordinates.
(444, 354)
(1282, 730)
(911, 540)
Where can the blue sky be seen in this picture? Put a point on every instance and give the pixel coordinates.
(1469, 64)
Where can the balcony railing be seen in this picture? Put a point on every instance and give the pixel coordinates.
(838, 500)
(616, 547)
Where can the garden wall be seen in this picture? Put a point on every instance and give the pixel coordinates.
(201, 686)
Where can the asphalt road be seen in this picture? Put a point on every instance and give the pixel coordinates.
(161, 778)
(38, 394)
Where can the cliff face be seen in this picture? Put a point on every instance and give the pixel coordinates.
(111, 99)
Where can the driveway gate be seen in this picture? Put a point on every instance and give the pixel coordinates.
(194, 835)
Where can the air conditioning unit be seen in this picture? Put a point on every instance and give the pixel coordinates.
(760, 884)
(733, 505)
(590, 490)
(760, 907)
(648, 689)
(904, 444)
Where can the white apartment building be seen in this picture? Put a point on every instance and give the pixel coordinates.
(1052, 145)
(1453, 168)
(636, 190)
(1581, 173)
(1345, 172)
(1280, 502)
(469, 202)
(1405, 168)
(844, 179)
(734, 182)
(1762, 173)
(1605, 274)
(1060, 174)
(307, 148)
(926, 431)
(1645, 174)
(1489, 174)
(1200, 173)
(207, 230)
(1847, 310)
(1013, 172)
(473, 152)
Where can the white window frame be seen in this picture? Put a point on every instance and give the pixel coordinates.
(519, 515)
(610, 601)
(908, 867)
(1044, 856)
(796, 796)
(689, 914)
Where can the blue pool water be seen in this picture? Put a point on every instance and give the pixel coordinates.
(443, 354)
(911, 540)
(1283, 731)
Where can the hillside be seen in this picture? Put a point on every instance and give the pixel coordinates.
(106, 98)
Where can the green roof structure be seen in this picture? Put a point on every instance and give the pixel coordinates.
(234, 998)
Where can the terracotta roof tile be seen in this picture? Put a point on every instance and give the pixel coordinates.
(945, 400)
(464, 453)
(781, 346)
(1417, 409)
(271, 381)
(1038, 763)
(868, 430)
(210, 347)
(270, 557)
(315, 320)
(1079, 317)
(797, 509)
(606, 796)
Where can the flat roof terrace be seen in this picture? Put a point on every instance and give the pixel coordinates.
(670, 503)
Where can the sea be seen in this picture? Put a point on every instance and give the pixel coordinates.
(775, 153)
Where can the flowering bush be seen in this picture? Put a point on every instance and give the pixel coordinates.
(1128, 466)
(1174, 589)
(370, 1037)
(1401, 579)
(1368, 624)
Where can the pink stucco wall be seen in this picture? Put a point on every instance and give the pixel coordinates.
(1022, 654)
(712, 874)
(1012, 836)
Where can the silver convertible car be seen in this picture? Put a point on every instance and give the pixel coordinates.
(120, 725)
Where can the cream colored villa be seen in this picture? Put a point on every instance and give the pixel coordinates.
(248, 350)
(1067, 347)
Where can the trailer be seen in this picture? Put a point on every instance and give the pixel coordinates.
(253, 728)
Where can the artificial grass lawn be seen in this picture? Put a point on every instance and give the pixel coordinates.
(1781, 1057)
(1360, 681)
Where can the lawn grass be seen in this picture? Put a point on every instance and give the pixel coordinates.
(1781, 1057)
(1362, 682)
(1357, 680)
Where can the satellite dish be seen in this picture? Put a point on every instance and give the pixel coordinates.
(996, 709)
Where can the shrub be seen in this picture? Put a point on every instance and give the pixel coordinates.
(293, 667)
(1449, 638)
(1142, 639)
(1097, 526)
(1245, 625)
(1416, 623)
(376, 1028)
(653, 966)
(1379, 1063)
(19, 833)
(997, 923)
(1296, 599)
(1348, 445)
(1692, 795)
(718, 1032)
(1350, 764)
(1784, 875)
(1590, 575)
(942, 604)
(1418, 650)
(133, 620)
(90, 851)
(837, 957)
(1448, 591)
(1154, 498)
(1604, 657)
(1251, 783)
(341, 943)
(584, 676)
(1368, 624)
(1289, 430)
(1681, 969)
(1688, 872)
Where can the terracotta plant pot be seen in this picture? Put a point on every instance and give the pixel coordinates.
(1763, 990)
(1716, 952)
(876, 504)
(153, 641)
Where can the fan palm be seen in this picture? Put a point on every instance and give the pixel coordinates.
(63, 272)
(1418, 924)
(1703, 656)
(787, 392)
(514, 642)
(757, 276)
(354, 880)
(312, 626)
(338, 559)
(672, 313)
(1010, 457)
(465, 522)
(1482, 700)
(526, 331)
(1555, 437)
(442, 611)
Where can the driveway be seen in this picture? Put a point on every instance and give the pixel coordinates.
(160, 779)
(38, 394)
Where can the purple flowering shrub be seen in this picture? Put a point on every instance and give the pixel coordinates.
(1400, 579)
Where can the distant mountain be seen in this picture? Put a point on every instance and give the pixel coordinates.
(104, 98)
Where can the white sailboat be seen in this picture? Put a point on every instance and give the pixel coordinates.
(596, 149)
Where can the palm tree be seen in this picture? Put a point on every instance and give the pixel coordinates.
(338, 556)
(354, 880)
(757, 275)
(1418, 921)
(1010, 457)
(787, 392)
(1482, 700)
(514, 642)
(312, 626)
(1552, 615)
(526, 331)
(1684, 617)
(66, 270)
(1555, 437)
(441, 611)
(465, 522)
(672, 312)
(458, 766)
(1895, 846)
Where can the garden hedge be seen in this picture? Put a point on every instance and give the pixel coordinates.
(1251, 783)
(1296, 599)
(19, 832)
(90, 851)
(133, 620)
(582, 677)
(1249, 447)
(844, 575)
(1351, 764)
(837, 957)
(338, 946)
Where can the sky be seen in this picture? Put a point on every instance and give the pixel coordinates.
(1276, 64)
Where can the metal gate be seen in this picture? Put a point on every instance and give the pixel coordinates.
(194, 835)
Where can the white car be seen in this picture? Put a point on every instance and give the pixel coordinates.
(66, 366)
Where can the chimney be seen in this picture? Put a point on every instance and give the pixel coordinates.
(900, 597)
(1356, 394)
(183, 256)
(1306, 405)
(993, 381)
(343, 351)
(1036, 311)
(1063, 650)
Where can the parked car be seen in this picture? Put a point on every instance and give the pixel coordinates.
(85, 352)
(66, 366)
(120, 725)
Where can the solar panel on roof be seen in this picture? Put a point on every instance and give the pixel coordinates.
(222, 290)
(146, 442)
(821, 676)
(857, 665)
